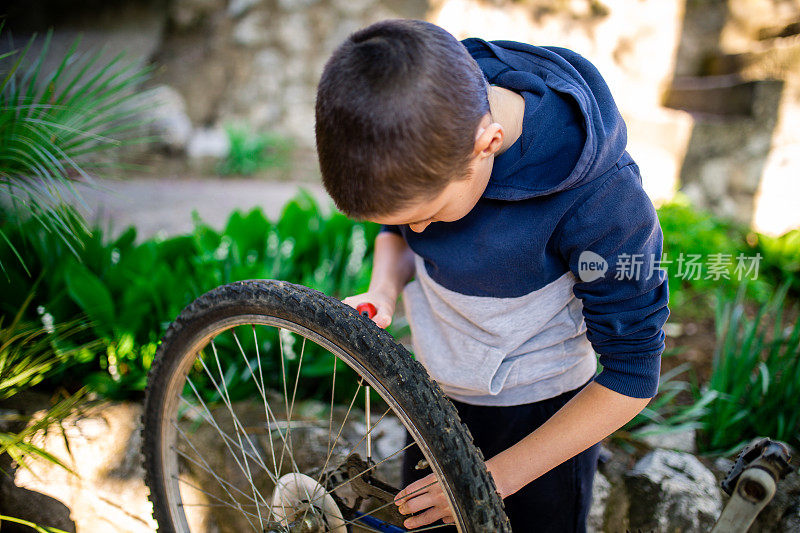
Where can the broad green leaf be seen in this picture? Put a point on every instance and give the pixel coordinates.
(89, 292)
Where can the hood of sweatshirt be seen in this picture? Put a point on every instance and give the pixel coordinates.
(572, 130)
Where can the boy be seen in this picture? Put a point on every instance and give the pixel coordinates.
(500, 175)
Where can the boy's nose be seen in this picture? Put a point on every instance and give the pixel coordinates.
(419, 227)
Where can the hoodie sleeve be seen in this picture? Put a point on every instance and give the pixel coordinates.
(625, 306)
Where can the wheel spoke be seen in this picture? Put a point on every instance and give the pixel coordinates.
(349, 480)
(355, 447)
(344, 422)
(270, 414)
(243, 431)
(333, 391)
(225, 438)
(230, 441)
(367, 409)
(384, 506)
(285, 395)
(238, 507)
(290, 408)
(219, 480)
(288, 414)
(238, 426)
(263, 393)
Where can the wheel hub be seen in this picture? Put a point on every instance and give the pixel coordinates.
(301, 505)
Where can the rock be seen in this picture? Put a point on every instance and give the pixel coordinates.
(296, 5)
(186, 14)
(134, 29)
(672, 491)
(353, 7)
(109, 493)
(164, 111)
(237, 8)
(719, 95)
(682, 441)
(390, 436)
(782, 514)
(298, 121)
(296, 34)
(722, 465)
(34, 507)
(605, 455)
(251, 31)
(208, 143)
(673, 329)
(601, 489)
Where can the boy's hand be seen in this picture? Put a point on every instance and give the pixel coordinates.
(424, 495)
(384, 306)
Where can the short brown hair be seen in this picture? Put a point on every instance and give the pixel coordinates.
(397, 109)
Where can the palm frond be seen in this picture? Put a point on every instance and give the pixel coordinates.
(52, 123)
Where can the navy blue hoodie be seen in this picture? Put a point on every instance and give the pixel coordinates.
(556, 261)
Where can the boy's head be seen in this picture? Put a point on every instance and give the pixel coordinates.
(398, 108)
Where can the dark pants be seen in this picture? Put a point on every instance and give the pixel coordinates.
(559, 500)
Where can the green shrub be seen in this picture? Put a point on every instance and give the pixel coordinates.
(782, 258)
(132, 291)
(695, 232)
(665, 410)
(251, 151)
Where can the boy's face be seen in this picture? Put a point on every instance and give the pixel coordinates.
(458, 197)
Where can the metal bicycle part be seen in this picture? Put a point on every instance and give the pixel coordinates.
(751, 483)
(193, 392)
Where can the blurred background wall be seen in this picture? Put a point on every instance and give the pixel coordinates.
(710, 89)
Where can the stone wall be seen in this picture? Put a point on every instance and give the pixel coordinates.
(260, 60)
(738, 74)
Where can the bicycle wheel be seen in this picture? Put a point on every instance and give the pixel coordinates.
(246, 420)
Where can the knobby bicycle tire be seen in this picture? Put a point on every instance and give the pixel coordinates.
(378, 358)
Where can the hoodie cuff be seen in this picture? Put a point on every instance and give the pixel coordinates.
(637, 378)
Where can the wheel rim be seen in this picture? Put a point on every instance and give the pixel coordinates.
(184, 397)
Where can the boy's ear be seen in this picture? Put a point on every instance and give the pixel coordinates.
(488, 139)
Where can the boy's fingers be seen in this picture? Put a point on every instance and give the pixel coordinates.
(382, 320)
(415, 489)
(428, 517)
(419, 503)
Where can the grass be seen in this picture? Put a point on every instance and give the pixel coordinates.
(28, 353)
(755, 375)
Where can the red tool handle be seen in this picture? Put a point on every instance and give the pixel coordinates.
(366, 309)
